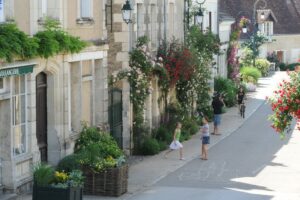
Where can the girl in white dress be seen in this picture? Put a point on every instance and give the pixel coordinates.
(175, 143)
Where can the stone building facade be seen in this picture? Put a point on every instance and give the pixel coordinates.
(43, 101)
(157, 19)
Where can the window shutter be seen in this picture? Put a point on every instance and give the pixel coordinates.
(1, 10)
(86, 8)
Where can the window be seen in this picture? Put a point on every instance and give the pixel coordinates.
(140, 20)
(266, 28)
(44, 8)
(19, 105)
(171, 19)
(82, 95)
(2, 85)
(1, 11)
(153, 26)
(85, 8)
(85, 12)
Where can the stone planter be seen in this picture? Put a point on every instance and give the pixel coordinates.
(50, 193)
(110, 182)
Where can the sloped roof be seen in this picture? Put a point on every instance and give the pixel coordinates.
(285, 12)
(269, 16)
(225, 17)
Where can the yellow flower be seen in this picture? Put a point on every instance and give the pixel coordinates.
(61, 177)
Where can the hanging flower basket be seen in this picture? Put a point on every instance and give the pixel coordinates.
(285, 104)
(109, 182)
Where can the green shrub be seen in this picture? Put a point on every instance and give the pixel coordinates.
(69, 163)
(190, 125)
(185, 135)
(107, 146)
(228, 88)
(96, 149)
(282, 66)
(292, 66)
(263, 66)
(150, 146)
(163, 134)
(162, 145)
(250, 74)
(43, 174)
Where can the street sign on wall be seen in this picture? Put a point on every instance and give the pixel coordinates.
(1, 11)
(16, 71)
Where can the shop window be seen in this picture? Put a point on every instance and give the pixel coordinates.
(19, 115)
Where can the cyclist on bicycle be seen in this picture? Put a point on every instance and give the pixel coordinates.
(240, 97)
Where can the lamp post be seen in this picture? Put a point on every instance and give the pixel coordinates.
(255, 27)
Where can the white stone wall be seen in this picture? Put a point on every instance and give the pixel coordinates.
(224, 34)
(289, 44)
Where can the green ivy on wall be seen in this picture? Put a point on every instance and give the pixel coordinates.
(14, 43)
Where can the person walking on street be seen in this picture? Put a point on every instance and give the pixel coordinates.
(217, 105)
(175, 143)
(240, 96)
(205, 137)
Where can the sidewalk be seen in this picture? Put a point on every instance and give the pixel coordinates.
(145, 171)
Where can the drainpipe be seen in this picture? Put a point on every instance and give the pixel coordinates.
(165, 20)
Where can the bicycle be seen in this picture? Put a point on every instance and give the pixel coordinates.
(242, 109)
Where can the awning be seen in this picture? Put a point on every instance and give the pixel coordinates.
(16, 71)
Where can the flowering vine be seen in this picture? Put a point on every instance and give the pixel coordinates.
(285, 104)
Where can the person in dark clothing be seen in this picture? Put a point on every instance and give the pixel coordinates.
(240, 98)
(217, 105)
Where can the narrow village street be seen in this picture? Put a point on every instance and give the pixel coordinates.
(252, 163)
(122, 100)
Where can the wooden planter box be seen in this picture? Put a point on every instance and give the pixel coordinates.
(111, 182)
(50, 193)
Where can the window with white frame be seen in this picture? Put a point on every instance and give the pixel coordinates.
(2, 85)
(86, 9)
(266, 28)
(153, 26)
(140, 20)
(44, 8)
(19, 104)
(171, 20)
(82, 95)
(1, 10)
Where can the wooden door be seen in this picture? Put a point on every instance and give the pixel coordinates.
(41, 115)
(280, 56)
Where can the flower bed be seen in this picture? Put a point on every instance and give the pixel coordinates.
(109, 182)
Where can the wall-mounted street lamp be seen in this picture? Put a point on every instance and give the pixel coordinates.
(126, 12)
(199, 15)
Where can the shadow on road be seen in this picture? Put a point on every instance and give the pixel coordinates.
(235, 162)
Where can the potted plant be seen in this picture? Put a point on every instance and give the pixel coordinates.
(54, 185)
(102, 162)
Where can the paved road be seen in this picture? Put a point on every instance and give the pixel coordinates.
(252, 163)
